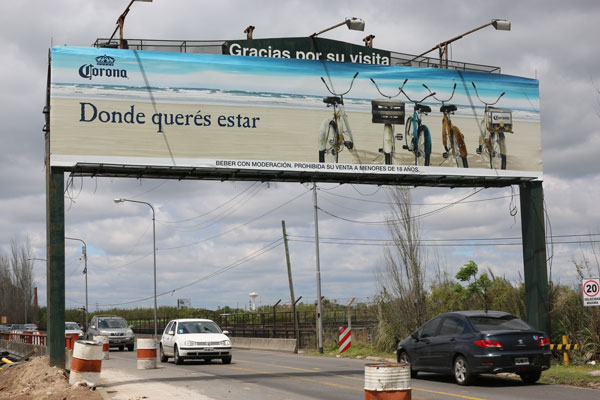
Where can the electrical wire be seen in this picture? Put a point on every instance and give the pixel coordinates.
(210, 211)
(219, 217)
(416, 204)
(390, 221)
(272, 245)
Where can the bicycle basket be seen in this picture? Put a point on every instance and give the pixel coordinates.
(499, 119)
(387, 112)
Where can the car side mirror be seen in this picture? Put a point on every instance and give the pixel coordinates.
(171, 332)
(93, 327)
(225, 332)
(130, 326)
(414, 336)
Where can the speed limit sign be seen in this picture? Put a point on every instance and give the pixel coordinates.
(591, 292)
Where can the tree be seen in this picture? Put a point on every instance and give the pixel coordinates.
(477, 288)
(16, 281)
(401, 277)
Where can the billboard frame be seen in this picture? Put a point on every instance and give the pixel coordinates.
(531, 200)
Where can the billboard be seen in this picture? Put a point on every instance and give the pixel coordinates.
(226, 112)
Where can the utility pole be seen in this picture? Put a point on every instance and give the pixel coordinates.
(292, 296)
(319, 315)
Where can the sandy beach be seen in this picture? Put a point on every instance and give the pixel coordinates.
(251, 133)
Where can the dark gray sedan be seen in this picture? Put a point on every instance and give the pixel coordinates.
(469, 343)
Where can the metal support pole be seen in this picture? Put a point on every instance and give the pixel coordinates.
(534, 255)
(154, 254)
(292, 296)
(84, 252)
(319, 315)
(55, 275)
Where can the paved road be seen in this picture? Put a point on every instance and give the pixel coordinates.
(258, 375)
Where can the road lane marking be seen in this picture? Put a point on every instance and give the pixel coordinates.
(362, 379)
(312, 380)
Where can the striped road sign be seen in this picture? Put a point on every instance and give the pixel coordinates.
(345, 339)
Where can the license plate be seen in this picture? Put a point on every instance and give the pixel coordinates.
(521, 361)
(209, 349)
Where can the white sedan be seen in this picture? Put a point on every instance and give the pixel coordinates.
(73, 328)
(194, 339)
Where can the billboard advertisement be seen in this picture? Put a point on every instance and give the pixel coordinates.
(223, 112)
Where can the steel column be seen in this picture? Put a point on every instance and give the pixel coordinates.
(534, 255)
(55, 269)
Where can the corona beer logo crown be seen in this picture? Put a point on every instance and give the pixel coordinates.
(105, 60)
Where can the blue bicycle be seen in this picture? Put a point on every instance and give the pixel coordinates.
(417, 136)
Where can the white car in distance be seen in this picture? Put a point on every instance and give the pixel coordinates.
(73, 328)
(185, 339)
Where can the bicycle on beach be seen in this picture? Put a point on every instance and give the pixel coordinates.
(420, 137)
(451, 134)
(496, 122)
(389, 113)
(335, 132)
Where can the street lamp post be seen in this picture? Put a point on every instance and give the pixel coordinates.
(85, 272)
(121, 23)
(154, 253)
(498, 24)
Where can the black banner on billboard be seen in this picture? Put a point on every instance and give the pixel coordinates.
(307, 48)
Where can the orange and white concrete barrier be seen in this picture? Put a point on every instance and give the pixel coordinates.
(105, 345)
(86, 363)
(70, 339)
(387, 381)
(146, 354)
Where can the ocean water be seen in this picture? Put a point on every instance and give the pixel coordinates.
(249, 99)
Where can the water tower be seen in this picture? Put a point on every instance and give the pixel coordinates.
(253, 297)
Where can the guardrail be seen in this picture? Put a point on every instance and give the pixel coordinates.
(37, 338)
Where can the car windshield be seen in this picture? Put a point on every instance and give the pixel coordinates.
(112, 323)
(71, 327)
(506, 322)
(197, 327)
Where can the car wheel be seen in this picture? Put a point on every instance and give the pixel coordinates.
(531, 377)
(462, 372)
(130, 347)
(403, 358)
(226, 360)
(176, 358)
(163, 357)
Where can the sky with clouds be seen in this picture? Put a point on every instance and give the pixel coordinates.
(219, 241)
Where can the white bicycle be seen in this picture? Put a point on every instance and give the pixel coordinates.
(496, 122)
(389, 113)
(335, 132)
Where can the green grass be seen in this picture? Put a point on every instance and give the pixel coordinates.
(574, 375)
(357, 350)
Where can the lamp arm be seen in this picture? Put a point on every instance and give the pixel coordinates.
(328, 29)
(447, 42)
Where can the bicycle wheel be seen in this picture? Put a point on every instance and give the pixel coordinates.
(331, 144)
(408, 134)
(422, 146)
(388, 143)
(457, 149)
(497, 159)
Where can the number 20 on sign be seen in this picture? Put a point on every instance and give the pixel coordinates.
(591, 292)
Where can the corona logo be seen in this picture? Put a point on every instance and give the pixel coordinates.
(105, 60)
(89, 71)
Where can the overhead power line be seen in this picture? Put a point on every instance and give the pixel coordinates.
(272, 245)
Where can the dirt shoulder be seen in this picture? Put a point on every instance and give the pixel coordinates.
(35, 379)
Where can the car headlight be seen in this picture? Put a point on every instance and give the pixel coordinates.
(105, 333)
(130, 332)
(226, 343)
(189, 343)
